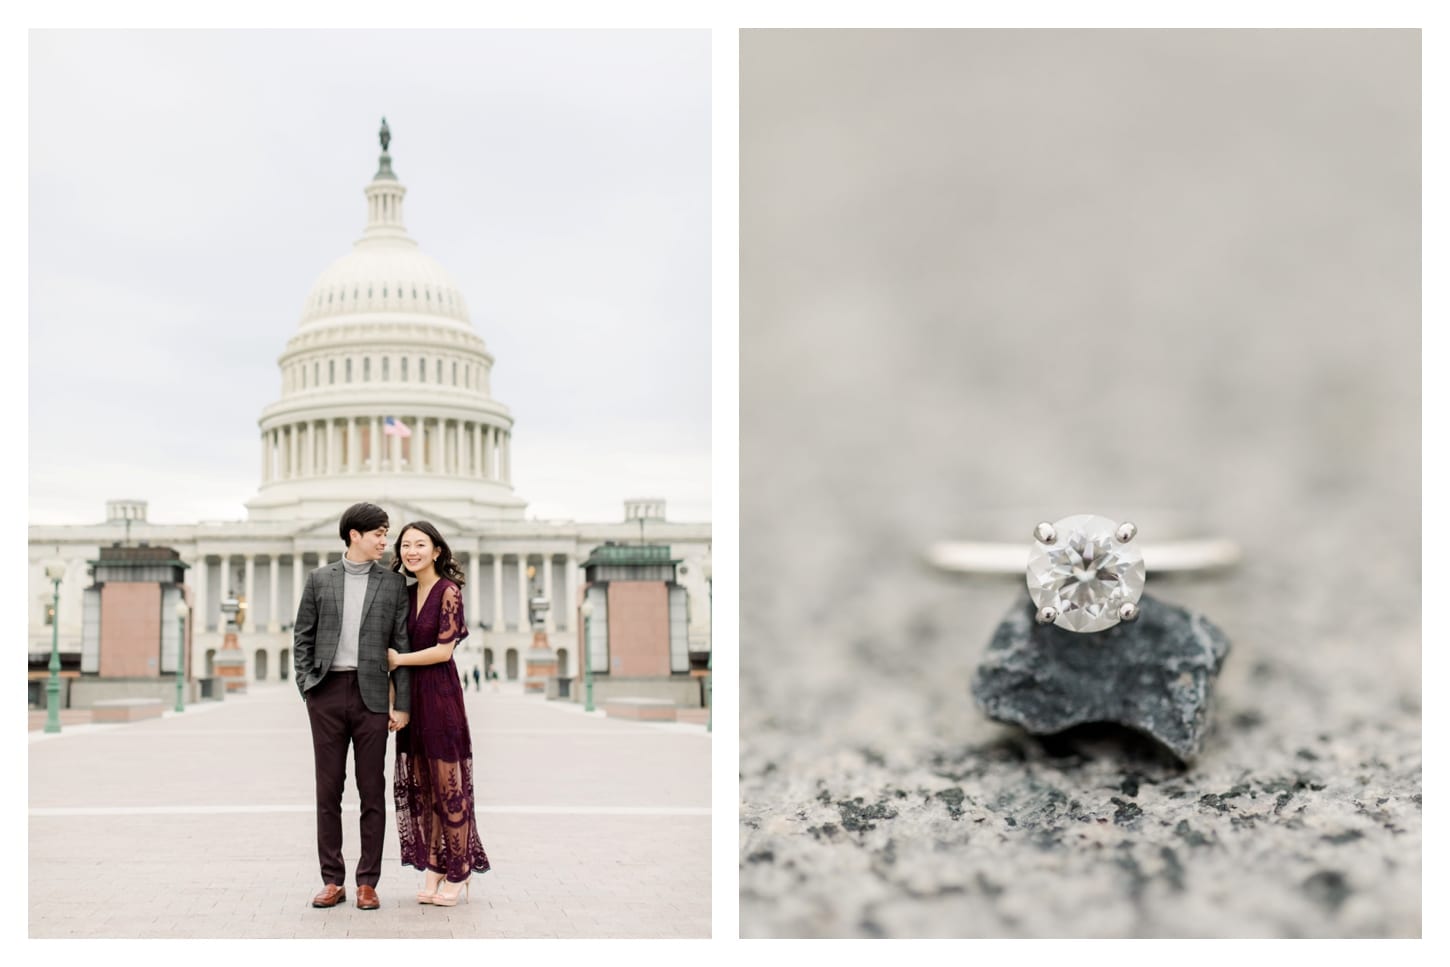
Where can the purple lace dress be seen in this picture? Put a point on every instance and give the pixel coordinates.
(433, 778)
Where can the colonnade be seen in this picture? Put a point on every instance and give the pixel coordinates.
(238, 575)
(438, 446)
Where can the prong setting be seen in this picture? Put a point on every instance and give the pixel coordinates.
(1081, 572)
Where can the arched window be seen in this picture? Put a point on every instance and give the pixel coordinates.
(347, 370)
(331, 371)
(316, 371)
(385, 369)
(455, 374)
(367, 369)
(405, 369)
(438, 378)
(422, 372)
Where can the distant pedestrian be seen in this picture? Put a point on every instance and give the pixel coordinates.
(476, 686)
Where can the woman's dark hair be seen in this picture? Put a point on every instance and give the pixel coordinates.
(446, 566)
(362, 518)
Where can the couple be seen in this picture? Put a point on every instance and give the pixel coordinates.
(358, 622)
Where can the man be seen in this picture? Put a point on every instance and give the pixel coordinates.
(351, 613)
(476, 686)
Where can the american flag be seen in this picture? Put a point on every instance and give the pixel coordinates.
(392, 427)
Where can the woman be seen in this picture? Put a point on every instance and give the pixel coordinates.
(433, 778)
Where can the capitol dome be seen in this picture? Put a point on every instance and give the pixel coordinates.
(385, 386)
(378, 277)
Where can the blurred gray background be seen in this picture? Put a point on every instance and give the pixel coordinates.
(991, 277)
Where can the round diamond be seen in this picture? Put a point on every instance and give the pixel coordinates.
(1086, 573)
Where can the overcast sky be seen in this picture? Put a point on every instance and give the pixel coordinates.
(187, 187)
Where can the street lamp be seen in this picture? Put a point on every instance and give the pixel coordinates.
(55, 571)
(587, 609)
(710, 661)
(181, 612)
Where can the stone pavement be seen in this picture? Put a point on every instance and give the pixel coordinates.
(202, 825)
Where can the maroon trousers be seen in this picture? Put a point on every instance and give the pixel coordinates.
(338, 716)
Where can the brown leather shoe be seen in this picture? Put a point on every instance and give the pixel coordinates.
(330, 896)
(367, 898)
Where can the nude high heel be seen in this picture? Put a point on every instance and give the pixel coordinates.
(428, 896)
(445, 900)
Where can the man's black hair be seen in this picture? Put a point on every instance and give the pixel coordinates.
(362, 518)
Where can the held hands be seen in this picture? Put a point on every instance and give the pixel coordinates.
(393, 662)
(396, 719)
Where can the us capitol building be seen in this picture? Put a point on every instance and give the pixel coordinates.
(384, 333)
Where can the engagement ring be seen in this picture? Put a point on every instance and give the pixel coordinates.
(1085, 573)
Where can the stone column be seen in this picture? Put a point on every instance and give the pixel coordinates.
(375, 446)
(266, 457)
(291, 451)
(299, 574)
(197, 579)
(497, 592)
(571, 591)
(549, 590)
(487, 453)
(475, 458)
(458, 464)
(524, 591)
(352, 444)
(438, 437)
(331, 448)
(395, 452)
(475, 573)
(250, 582)
(272, 610)
(505, 458)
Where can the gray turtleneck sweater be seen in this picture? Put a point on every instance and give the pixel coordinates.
(354, 589)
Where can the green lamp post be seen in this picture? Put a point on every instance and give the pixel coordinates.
(587, 609)
(55, 571)
(710, 662)
(181, 612)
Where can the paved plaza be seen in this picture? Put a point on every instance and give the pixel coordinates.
(202, 824)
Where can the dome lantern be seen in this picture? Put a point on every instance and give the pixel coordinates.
(385, 198)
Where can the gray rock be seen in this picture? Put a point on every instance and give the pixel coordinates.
(1154, 674)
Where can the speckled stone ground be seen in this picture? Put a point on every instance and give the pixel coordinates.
(992, 278)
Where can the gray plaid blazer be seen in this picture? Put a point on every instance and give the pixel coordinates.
(384, 625)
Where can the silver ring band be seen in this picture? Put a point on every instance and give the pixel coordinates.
(981, 557)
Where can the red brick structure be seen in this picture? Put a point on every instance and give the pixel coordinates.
(131, 638)
(639, 620)
(130, 630)
(639, 647)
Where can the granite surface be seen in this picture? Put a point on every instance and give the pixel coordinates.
(995, 277)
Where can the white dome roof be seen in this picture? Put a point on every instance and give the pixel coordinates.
(384, 276)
